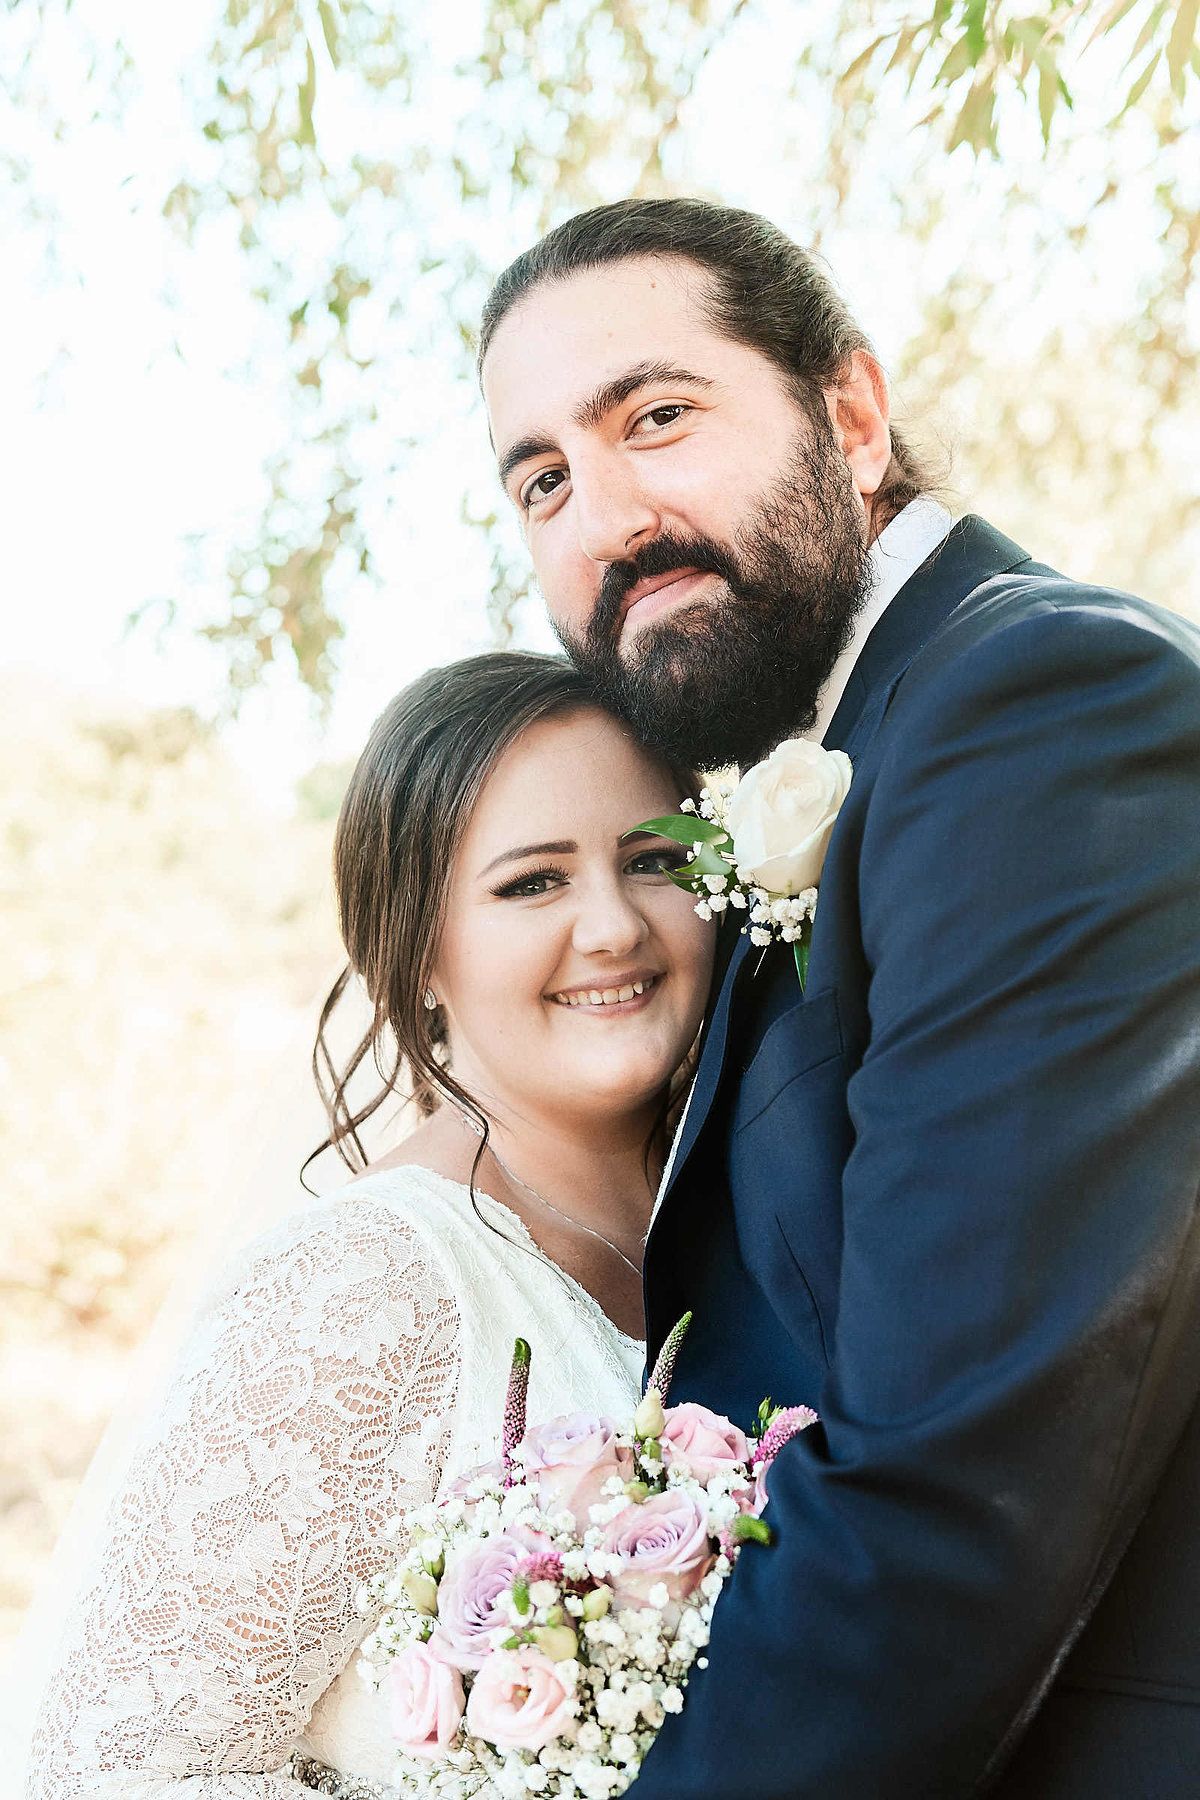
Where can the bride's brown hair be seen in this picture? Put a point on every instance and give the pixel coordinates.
(410, 798)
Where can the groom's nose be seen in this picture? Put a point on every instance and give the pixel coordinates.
(613, 515)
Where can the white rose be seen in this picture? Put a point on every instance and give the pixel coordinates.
(783, 813)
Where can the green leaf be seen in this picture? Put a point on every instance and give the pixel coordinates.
(861, 62)
(974, 17)
(1110, 19)
(1181, 44)
(329, 25)
(957, 62)
(974, 123)
(1150, 25)
(1143, 82)
(801, 949)
(1047, 100)
(707, 861)
(682, 828)
(307, 96)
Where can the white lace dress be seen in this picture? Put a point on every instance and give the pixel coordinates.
(358, 1361)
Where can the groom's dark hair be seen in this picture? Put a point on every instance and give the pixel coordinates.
(766, 292)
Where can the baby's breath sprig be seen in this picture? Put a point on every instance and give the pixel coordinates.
(713, 874)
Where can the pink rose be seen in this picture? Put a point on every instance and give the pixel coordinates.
(520, 1700)
(664, 1539)
(425, 1700)
(570, 1459)
(705, 1441)
(469, 1590)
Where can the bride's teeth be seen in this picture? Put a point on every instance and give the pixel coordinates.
(625, 993)
(596, 997)
(611, 994)
(639, 987)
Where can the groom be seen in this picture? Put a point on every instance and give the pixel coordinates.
(947, 1195)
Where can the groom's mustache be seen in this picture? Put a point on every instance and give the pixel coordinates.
(662, 556)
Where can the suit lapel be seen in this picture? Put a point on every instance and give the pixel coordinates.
(971, 554)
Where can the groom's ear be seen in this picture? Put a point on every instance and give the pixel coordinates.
(858, 411)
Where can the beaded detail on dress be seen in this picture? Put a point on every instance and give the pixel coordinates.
(355, 1361)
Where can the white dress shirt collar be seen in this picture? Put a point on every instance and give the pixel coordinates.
(897, 553)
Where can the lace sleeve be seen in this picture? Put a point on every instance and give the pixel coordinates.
(311, 1405)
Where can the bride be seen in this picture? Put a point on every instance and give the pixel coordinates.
(537, 984)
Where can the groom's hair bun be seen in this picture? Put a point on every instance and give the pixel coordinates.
(766, 292)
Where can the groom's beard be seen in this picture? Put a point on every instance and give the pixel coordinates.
(725, 679)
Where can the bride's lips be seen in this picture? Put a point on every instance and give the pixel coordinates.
(657, 592)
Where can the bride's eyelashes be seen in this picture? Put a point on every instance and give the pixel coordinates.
(530, 886)
(670, 856)
(537, 882)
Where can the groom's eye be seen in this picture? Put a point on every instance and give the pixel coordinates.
(663, 416)
(542, 486)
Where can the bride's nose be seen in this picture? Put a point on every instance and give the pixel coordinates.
(608, 920)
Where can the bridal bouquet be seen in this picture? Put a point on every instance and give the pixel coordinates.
(544, 1619)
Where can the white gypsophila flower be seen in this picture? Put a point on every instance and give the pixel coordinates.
(687, 806)
(759, 937)
(737, 898)
(623, 1747)
(590, 1737)
(717, 903)
(703, 910)
(574, 1565)
(716, 884)
(671, 1699)
(658, 1595)
(543, 1593)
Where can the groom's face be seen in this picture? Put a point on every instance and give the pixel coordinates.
(696, 531)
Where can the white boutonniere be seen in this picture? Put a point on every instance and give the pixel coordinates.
(758, 844)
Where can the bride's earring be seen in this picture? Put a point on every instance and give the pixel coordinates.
(430, 1000)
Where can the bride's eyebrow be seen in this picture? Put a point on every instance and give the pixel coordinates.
(562, 847)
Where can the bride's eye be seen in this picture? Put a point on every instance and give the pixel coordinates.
(659, 861)
(529, 887)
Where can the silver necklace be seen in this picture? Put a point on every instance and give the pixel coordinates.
(541, 1199)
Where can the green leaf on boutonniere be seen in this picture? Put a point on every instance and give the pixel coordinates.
(682, 828)
(707, 861)
(801, 949)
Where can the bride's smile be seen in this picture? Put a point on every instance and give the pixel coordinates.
(571, 970)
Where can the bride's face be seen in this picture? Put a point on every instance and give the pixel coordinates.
(573, 972)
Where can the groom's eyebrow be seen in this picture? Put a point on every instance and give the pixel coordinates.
(611, 394)
(562, 847)
(606, 398)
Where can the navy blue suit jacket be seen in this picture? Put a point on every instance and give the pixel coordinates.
(949, 1198)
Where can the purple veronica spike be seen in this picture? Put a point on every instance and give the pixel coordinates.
(664, 1368)
(790, 1423)
(514, 1406)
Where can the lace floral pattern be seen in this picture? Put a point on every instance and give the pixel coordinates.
(347, 1370)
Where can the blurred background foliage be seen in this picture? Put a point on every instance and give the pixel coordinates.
(378, 172)
(1012, 198)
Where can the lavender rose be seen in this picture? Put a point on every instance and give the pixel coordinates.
(570, 1459)
(665, 1539)
(468, 1593)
